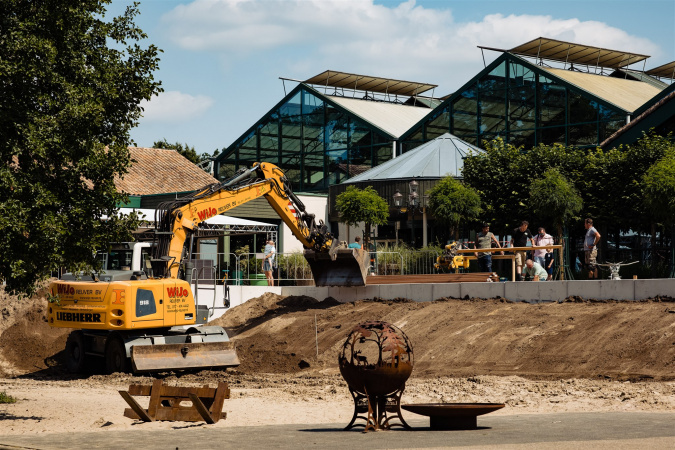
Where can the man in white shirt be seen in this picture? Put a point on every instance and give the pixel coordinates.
(543, 239)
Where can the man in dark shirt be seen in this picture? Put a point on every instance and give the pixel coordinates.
(519, 238)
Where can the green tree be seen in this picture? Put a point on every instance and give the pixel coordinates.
(362, 205)
(452, 203)
(184, 149)
(659, 190)
(70, 87)
(553, 197)
(497, 177)
(659, 199)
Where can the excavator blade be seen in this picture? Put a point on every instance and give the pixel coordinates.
(349, 268)
(198, 355)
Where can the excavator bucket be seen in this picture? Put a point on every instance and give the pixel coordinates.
(339, 267)
(197, 355)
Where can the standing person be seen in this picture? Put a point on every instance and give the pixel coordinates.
(268, 261)
(356, 243)
(519, 239)
(591, 249)
(544, 256)
(484, 239)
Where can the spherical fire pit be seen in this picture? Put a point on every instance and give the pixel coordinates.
(376, 360)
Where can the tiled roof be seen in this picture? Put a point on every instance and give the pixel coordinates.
(160, 171)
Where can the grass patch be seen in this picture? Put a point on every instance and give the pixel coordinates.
(6, 398)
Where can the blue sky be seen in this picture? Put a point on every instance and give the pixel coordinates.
(222, 59)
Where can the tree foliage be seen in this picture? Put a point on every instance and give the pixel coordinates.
(452, 203)
(184, 149)
(554, 198)
(659, 190)
(70, 87)
(362, 205)
(608, 181)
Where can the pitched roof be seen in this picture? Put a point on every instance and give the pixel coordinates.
(392, 118)
(160, 171)
(667, 97)
(628, 95)
(437, 158)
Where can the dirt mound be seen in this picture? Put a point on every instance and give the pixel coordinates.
(577, 338)
(27, 342)
(452, 338)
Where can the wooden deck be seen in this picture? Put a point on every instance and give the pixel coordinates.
(432, 278)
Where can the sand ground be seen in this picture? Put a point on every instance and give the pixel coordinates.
(575, 356)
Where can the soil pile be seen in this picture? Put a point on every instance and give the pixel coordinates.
(457, 338)
(451, 337)
(27, 343)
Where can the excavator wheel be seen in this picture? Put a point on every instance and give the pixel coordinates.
(116, 357)
(75, 357)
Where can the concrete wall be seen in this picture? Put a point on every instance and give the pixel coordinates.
(545, 291)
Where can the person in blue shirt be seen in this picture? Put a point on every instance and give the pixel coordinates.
(268, 261)
(356, 243)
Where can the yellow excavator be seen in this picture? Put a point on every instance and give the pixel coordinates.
(146, 318)
(449, 259)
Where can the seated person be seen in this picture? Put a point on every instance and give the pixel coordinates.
(533, 269)
(356, 243)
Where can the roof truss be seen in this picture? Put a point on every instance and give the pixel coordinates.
(568, 52)
(389, 86)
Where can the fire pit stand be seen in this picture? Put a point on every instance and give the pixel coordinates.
(375, 361)
(380, 410)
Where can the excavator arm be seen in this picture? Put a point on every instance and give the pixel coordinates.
(332, 263)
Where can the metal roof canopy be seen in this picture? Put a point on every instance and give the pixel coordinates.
(389, 86)
(223, 225)
(569, 52)
(665, 71)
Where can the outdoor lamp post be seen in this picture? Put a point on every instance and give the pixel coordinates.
(413, 204)
(398, 201)
(413, 201)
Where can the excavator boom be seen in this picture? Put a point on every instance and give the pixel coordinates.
(331, 262)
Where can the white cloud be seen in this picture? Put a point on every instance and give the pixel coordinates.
(405, 41)
(174, 106)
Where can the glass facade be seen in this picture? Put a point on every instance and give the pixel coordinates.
(315, 143)
(516, 101)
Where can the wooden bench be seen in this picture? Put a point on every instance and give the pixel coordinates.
(166, 402)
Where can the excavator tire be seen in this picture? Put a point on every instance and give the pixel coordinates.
(116, 356)
(75, 357)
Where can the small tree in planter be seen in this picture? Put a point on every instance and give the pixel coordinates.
(452, 203)
(555, 198)
(362, 205)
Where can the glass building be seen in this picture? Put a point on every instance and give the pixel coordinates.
(319, 140)
(526, 104)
